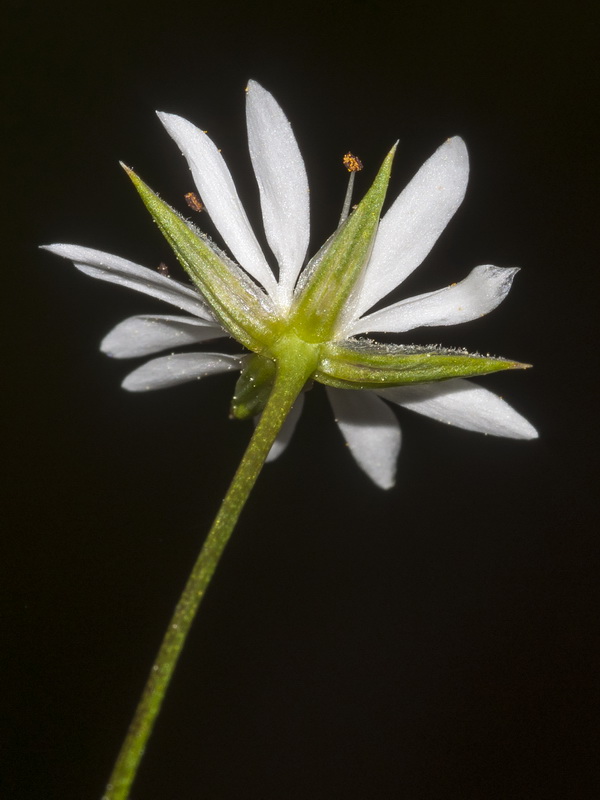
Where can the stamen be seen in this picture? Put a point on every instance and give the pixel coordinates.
(353, 165)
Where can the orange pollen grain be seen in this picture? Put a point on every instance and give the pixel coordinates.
(352, 163)
(193, 201)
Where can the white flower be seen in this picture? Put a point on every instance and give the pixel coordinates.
(406, 234)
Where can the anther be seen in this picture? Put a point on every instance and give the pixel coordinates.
(353, 165)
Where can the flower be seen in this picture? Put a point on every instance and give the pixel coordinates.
(328, 303)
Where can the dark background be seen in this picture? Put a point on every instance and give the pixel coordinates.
(435, 641)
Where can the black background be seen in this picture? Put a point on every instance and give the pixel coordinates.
(434, 641)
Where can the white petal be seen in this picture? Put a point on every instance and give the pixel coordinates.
(287, 430)
(117, 270)
(478, 294)
(414, 222)
(462, 403)
(180, 368)
(219, 195)
(282, 182)
(371, 432)
(146, 334)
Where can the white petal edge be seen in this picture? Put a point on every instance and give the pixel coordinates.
(161, 373)
(283, 185)
(147, 334)
(464, 404)
(287, 430)
(414, 222)
(479, 293)
(114, 269)
(219, 195)
(371, 431)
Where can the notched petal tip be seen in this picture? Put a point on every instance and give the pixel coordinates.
(479, 293)
(413, 223)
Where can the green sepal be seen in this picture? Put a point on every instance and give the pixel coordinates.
(253, 387)
(363, 364)
(239, 305)
(331, 276)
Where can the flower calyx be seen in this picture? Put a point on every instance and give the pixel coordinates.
(328, 281)
(243, 309)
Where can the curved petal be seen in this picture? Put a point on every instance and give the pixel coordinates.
(479, 293)
(117, 270)
(283, 185)
(414, 222)
(161, 373)
(147, 334)
(371, 432)
(220, 197)
(287, 430)
(462, 403)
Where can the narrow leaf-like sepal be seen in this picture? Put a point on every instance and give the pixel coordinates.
(337, 267)
(253, 387)
(357, 364)
(241, 307)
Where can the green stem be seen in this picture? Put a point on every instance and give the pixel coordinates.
(289, 383)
